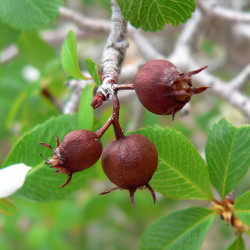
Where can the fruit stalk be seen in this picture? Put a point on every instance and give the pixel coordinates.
(114, 119)
(116, 125)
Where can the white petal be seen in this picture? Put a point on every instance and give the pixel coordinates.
(12, 178)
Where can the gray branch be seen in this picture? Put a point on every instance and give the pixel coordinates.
(221, 89)
(77, 87)
(98, 25)
(222, 12)
(8, 54)
(240, 80)
(114, 52)
(144, 45)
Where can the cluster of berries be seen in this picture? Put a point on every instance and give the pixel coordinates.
(130, 161)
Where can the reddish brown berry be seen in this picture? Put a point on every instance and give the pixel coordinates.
(79, 149)
(130, 162)
(163, 89)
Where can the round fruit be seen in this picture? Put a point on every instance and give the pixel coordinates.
(162, 88)
(79, 149)
(130, 162)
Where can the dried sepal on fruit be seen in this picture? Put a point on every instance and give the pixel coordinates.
(79, 150)
(130, 163)
(163, 89)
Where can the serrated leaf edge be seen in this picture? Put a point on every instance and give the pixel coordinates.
(193, 226)
(210, 197)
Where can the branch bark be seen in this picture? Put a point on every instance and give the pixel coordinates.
(225, 13)
(98, 25)
(113, 55)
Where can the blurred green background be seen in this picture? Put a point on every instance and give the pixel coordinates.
(86, 220)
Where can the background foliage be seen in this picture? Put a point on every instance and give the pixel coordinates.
(46, 217)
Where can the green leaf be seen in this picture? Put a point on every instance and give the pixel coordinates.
(86, 112)
(242, 208)
(150, 119)
(41, 183)
(227, 153)
(29, 14)
(181, 172)
(11, 85)
(34, 50)
(14, 109)
(7, 35)
(69, 57)
(7, 207)
(20, 100)
(152, 15)
(238, 244)
(183, 229)
(93, 71)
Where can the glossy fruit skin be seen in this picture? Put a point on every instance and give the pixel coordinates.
(79, 150)
(130, 162)
(162, 88)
